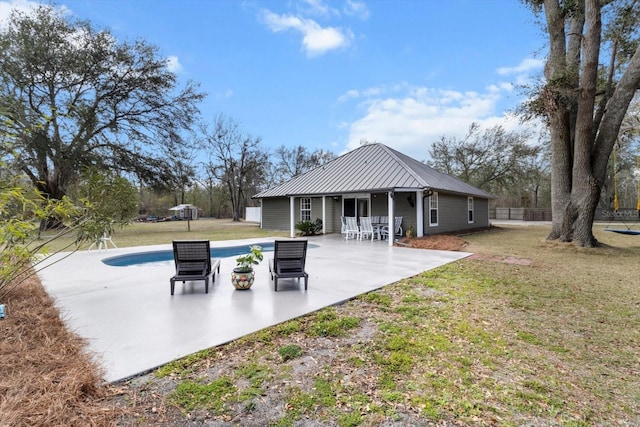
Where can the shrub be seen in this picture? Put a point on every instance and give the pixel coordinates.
(309, 228)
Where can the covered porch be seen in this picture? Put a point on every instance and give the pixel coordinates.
(406, 203)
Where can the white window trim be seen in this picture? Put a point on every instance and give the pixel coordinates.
(433, 200)
(470, 209)
(302, 209)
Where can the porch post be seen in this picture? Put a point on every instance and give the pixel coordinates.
(324, 214)
(419, 214)
(292, 216)
(392, 219)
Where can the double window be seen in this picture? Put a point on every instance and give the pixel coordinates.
(305, 209)
(433, 209)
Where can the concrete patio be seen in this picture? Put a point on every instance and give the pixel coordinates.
(132, 323)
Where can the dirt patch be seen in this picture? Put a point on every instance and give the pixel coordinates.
(442, 242)
(500, 258)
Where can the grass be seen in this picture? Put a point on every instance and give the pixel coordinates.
(158, 233)
(475, 342)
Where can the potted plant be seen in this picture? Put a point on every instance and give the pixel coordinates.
(243, 275)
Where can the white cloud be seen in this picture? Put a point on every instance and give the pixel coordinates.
(526, 66)
(368, 92)
(316, 40)
(225, 95)
(410, 123)
(21, 5)
(356, 8)
(174, 65)
(315, 7)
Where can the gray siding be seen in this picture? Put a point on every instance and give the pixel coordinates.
(453, 214)
(275, 214)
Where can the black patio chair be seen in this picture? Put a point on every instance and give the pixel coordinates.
(289, 257)
(193, 262)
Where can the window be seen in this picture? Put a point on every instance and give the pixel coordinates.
(470, 209)
(305, 209)
(433, 209)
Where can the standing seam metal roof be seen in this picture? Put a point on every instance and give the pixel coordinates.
(371, 168)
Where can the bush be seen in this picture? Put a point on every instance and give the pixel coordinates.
(309, 228)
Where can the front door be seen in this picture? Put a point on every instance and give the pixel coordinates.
(349, 207)
(356, 206)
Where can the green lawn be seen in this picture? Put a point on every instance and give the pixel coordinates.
(475, 342)
(157, 233)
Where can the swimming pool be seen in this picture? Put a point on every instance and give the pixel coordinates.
(149, 257)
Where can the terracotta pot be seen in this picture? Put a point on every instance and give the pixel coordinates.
(242, 280)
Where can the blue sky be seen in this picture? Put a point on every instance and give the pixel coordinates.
(327, 74)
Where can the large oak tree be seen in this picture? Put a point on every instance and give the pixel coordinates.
(591, 75)
(71, 96)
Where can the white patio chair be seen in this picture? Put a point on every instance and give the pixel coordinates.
(397, 230)
(343, 225)
(366, 228)
(351, 229)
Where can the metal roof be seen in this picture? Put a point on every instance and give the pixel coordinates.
(371, 168)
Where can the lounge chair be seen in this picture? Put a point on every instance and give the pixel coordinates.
(289, 257)
(397, 230)
(366, 228)
(193, 262)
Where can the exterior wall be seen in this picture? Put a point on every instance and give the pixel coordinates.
(275, 214)
(379, 206)
(334, 210)
(452, 214)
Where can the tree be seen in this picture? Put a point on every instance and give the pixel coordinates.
(71, 96)
(294, 161)
(591, 75)
(495, 160)
(180, 160)
(109, 202)
(236, 159)
(20, 248)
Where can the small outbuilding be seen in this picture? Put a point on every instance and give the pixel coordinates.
(376, 180)
(185, 211)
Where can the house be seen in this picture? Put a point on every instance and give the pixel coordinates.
(376, 180)
(185, 211)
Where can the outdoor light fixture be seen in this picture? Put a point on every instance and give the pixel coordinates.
(412, 202)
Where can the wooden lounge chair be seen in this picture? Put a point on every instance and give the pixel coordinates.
(193, 262)
(289, 257)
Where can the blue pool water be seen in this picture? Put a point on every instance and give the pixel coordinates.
(150, 257)
(167, 255)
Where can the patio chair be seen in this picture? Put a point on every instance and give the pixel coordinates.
(366, 228)
(397, 229)
(351, 228)
(289, 257)
(193, 262)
